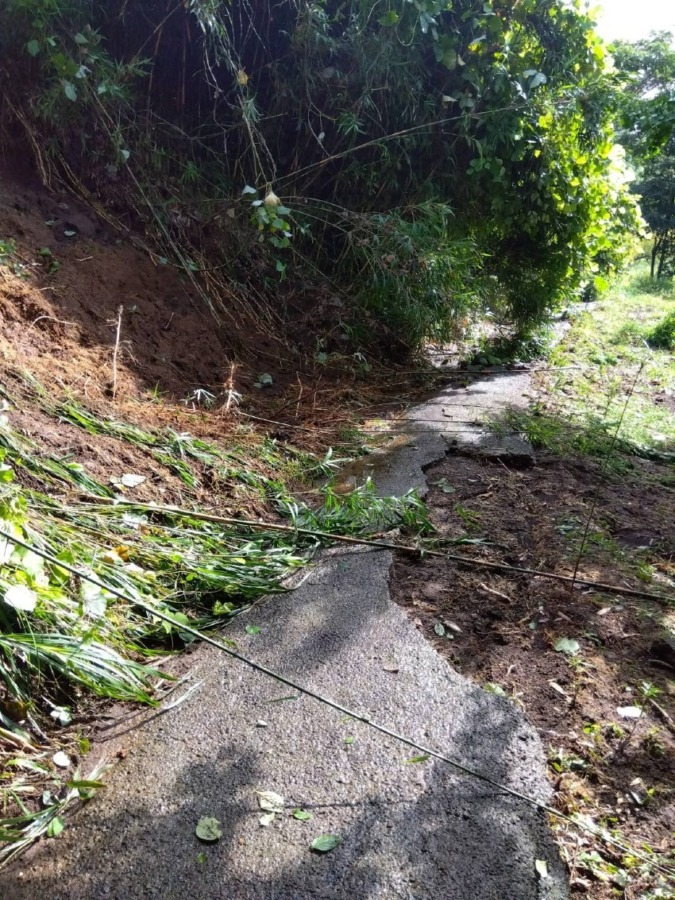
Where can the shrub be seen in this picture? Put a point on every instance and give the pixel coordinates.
(662, 336)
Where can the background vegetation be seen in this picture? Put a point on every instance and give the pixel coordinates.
(427, 158)
(647, 114)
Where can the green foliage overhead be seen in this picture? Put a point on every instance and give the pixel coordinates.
(646, 100)
(428, 156)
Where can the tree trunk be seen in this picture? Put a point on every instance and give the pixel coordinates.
(655, 250)
(662, 258)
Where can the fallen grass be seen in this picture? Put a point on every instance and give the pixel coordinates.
(62, 638)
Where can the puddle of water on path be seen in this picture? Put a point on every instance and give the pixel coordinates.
(377, 461)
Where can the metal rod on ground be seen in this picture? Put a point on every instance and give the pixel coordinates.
(538, 804)
(116, 351)
(385, 545)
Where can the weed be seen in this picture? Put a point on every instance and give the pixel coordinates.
(662, 336)
(562, 761)
(469, 517)
(653, 745)
(51, 264)
(613, 730)
(200, 397)
(10, 258)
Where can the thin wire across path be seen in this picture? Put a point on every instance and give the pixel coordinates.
(386, 545)
(326, 701)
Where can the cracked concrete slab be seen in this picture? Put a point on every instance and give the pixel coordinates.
(453, 420)
(419, 831)
(460, 415)
(414, 831)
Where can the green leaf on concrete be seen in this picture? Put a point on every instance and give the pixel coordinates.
(325, 843)
(208, 830)
(417, 759)
(301, 815)
(252, 629)
(201, 858)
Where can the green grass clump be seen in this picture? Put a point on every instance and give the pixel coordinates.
(662, 336)
(359, 512)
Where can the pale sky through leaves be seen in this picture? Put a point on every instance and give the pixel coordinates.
(631, 20)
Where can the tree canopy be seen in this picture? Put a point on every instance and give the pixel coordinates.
(426, 156)
(646, 103)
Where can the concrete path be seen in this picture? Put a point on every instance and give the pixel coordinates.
(455, 418)
(417, 831)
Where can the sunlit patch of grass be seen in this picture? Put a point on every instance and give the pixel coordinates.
(585, 436)
(594, 368)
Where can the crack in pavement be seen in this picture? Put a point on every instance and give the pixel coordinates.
(409, 831)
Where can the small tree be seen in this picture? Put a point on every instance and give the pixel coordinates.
(657, 191)
(647, 105)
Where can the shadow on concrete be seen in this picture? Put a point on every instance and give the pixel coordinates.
(419, 831)
(457, 840)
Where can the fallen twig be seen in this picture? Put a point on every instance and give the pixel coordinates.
(496, 593)
(385, 545)
(116, 351)
(664, 715)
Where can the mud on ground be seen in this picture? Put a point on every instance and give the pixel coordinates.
(502, 629)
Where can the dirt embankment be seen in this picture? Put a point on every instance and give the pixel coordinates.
(59, 317)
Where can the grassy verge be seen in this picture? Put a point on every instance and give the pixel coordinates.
(609, 391)
(63, 639)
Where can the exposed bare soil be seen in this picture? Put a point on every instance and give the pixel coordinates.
(502, 630)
